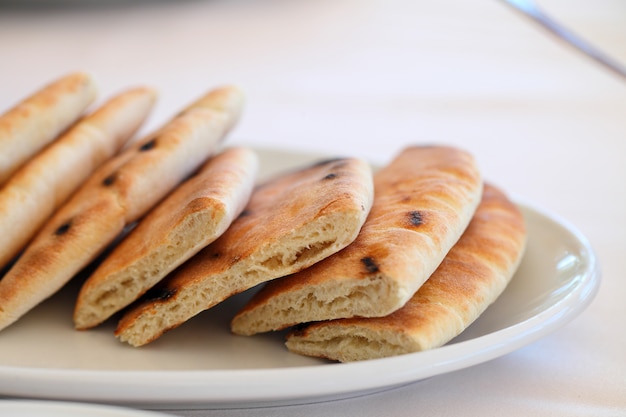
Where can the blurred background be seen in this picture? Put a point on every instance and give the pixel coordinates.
(361, 73)
(361, 77)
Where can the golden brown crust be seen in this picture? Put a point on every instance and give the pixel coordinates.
(76, 237)
(222, 100)
(189, 219)
(423, 201)
(41, 185)
(292, 221)
(37, 120)
(117, 194)
(473, 274)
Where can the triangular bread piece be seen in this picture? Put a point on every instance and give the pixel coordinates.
(116, 195)
(39, 187)
(38, 119)
(190, 218)
(473, 275)
(291, 222)
(423, 201)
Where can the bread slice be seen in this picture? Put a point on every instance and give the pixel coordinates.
(471, 277)
(190, 218)
(37, 120)
(116, 195)
(424, 200)
(291, 222)
(40, 186)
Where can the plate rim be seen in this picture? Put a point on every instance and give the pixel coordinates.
(44, 407)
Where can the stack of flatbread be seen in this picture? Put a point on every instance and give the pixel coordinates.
(423, 202)
(112, 191)
(471, 277)
(359, 265)
(435, 251)
(290, 223)
(193, 216)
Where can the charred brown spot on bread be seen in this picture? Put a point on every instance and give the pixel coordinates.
(370, 265)
(61, 230)
(151, 144)
(108, 181)
(299, 329)
(160, 294)
(416, 218)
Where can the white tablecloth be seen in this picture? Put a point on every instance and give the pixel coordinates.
(366, 78)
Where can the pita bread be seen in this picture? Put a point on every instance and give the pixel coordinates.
(190, 218)
(290, 223)
(470, 278)
(39, 119)
(40, 186)
(424, 200)
(116, 195)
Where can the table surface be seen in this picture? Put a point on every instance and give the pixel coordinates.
(367, 78)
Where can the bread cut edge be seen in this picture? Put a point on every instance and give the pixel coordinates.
(202, 220)
(374, 295)
(430, 319)
(55, 255)
(327, 291)
(301, 248)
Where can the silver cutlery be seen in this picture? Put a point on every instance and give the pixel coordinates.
(533, 11)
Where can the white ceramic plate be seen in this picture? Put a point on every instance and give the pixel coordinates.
(32, 408)
(202, 365)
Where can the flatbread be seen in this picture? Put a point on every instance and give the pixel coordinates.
(473, 275)
(424, 200)
(116, 195)
(37, 120)
(190, 218)
(291, 222)
(39, 187)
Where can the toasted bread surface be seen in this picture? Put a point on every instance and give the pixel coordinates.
(471, 277)
(424, 199)
(38, 119)
(190, 218)
(118, 193)
(46, 181)
(291, 222)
